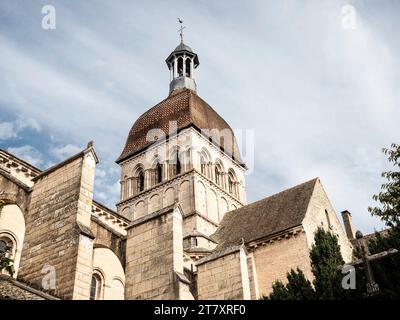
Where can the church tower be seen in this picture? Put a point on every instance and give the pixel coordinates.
(180, 156)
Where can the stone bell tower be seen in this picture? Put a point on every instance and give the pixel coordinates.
(181, 171)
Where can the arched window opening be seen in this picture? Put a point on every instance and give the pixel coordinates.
(180, 67)
(159, 172)
(188, 158)
(230, 185)
(140, 186)
(6, 248)
(3, 248)
(178, 165)
(203, 165)
(95, 287)
(218, 175)
(7, 256)
(187, 69)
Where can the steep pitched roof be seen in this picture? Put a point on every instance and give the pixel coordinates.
(265, 217)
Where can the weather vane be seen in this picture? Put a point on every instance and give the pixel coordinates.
(181, 28)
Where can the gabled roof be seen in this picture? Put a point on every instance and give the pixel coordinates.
(265, 217)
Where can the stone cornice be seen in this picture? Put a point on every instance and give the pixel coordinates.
(219, 254)
(16, 181)
(152, 216)
(284, 234)
(156, 187)
(107, 227)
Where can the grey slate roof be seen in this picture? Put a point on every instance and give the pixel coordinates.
(265, 217)
(182, 47)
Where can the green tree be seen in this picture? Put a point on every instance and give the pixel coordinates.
(279, 292)
(297, 288)
(325, 260)
(387, 271)
(389, 196)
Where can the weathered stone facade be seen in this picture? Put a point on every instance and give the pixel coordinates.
(60, 208)
(60, 231)
(224, 276)
(154, 265)
(183, 228)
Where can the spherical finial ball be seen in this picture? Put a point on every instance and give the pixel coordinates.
(359, 234)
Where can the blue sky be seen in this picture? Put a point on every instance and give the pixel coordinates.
(322, 100)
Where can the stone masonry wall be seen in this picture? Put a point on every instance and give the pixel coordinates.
(11, 192)
(154, 253)
(321, 213)
(274, 260)
(106, 237)
(225, 278)
(60, 200)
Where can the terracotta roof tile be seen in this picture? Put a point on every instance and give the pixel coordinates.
(186, 108)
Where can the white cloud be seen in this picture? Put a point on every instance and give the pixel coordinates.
(7, 131)
(64, 152)
(27, 123)
(12, 130)
(322, 101)
(28, 153)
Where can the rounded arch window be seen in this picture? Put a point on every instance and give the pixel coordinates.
(232, 183)
(3, 248)
(203, 164)
(6, 247)
(7, 252)
(176, 162)
(140, 180)
(96, 286)
(218, 174)
(159, 172)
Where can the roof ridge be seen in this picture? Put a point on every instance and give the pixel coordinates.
(280, 211)
(280, 192)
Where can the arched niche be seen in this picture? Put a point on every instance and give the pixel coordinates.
(109, 274)
(201, 203)
(154, 203)
(169, 197)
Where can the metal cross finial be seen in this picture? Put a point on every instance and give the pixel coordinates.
(181, 29)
